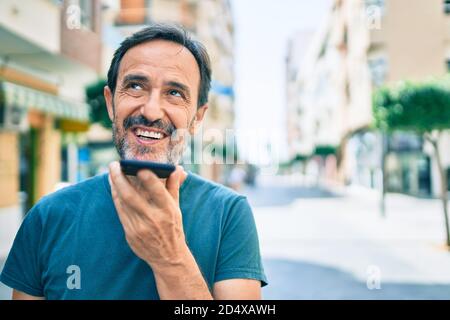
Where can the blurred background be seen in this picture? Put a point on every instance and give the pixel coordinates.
(336, 114)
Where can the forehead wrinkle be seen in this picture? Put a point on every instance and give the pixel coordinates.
(148, 58)
(133, 63)
(165, 55)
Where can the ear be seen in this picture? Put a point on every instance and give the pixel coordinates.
(199, 114)
(109, 102)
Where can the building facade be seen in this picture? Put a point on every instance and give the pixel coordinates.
(362, 45)
(43, 70)
(299, 119)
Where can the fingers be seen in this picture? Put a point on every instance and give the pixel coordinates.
(173, 183)
(125, 219)
(153, 185)
(124, 192)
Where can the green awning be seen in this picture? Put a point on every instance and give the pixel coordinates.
(27, 98)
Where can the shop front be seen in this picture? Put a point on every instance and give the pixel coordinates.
(32, 126)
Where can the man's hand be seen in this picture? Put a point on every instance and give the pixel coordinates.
(151, 217)
(150, 214)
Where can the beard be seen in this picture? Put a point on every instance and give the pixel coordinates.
(128, 150)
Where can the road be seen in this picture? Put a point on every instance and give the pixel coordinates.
(5, 292)
(322, 244)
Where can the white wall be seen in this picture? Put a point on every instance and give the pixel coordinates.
(38, 21)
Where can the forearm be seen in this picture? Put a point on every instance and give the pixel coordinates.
(183, 281)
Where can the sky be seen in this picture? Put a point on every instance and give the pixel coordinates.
(262, 30)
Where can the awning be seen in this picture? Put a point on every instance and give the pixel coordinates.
(27, 98)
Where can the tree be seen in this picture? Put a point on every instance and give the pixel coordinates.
(322, 152)
(302, 160)
(423, 108)
(95, 98)
(341, 152)
(325, 150)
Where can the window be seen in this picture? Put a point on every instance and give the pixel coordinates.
(447, 6)
(86, 13)
(448, 179)
(448, 65)
(379, 4)
(80, 14)
(378, 70)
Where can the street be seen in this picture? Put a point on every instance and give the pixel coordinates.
(319, 243)
(5, 292)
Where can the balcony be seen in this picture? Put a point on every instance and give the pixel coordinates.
(34, 21)
(80, 28)
(36, 34)
(447, 6)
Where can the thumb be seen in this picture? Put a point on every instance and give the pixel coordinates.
(174, 181)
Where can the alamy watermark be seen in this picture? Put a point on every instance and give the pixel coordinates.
(73, 17)
(74, 279)
(373, 281)
(220, 146)
(372, 17)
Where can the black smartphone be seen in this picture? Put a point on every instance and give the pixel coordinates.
(131, 167)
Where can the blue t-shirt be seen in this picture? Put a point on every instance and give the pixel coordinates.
(71, 244)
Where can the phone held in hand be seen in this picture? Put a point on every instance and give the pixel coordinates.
(131, 167)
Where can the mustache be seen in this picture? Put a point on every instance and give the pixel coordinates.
(140, 120)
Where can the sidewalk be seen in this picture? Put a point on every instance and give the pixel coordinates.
(5, 292)
(327, 247)
(10, 220)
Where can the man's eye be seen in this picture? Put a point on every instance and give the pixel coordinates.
(135, 86)
(175, 93)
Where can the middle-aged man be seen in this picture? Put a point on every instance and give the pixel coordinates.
(121, 237)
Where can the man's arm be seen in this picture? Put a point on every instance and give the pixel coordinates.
(19, 295)
(233, 289)
(186, 282)
(149, 212)
(152, 222)
(237, 289)
(182, 281)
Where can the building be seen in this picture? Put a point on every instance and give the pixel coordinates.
(298, 117)
(210, 21)
(363, 45)
(43, 70)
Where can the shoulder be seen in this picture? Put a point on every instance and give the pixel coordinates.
(198, 186)
(218, 199)
(69, 199)
(76, 192)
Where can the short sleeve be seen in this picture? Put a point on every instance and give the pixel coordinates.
(21, 270)
(239, 254)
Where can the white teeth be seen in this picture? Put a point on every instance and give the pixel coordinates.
(149, 134)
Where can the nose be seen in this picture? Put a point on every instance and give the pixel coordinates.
(152, 109)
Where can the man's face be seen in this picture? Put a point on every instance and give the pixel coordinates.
(155, 101)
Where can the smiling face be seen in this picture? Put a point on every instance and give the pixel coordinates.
(155, 101)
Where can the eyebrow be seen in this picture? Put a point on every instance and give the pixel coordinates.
(145, 79)
(135, 77)
(178, 85)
